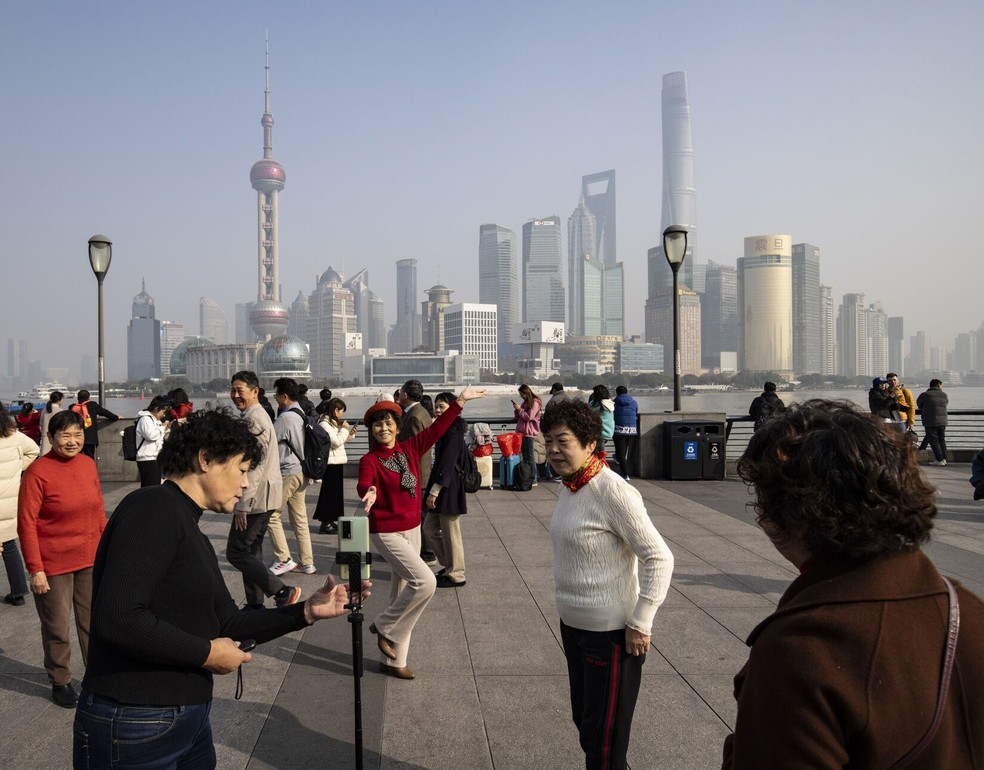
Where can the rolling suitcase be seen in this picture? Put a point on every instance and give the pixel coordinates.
(507, 467)
(485, 468)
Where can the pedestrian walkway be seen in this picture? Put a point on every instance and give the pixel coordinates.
(491, 686)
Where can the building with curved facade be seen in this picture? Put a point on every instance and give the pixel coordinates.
(284, 356)
(765, 305)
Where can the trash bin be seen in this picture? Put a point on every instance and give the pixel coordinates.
(693, 449)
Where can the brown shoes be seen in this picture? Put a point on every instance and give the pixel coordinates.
(385, 646)
(399, 673)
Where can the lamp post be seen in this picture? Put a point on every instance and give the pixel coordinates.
(100, 255)
(675, 249)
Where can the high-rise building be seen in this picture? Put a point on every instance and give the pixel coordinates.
(212, 321)
(244, 332)
(718, 314)
(172, 335)
(598, 194)
(896, 341)
(806, 308)
(679, 182)
(659, 323)
(964, 352)
(498, 282)
(828, 335)
(406, 333)
(331, 314)
(368, 311)
(876, 350)
(595, 288)
(543, 271)
(298, 316)
(918, 354)
(143, 339)
(765, 305)
(852, 337)
(432, 317)
(268, 316)
(471, 329)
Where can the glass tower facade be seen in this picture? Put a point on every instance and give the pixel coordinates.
(543, 276)
(807, 358)
(498, 282)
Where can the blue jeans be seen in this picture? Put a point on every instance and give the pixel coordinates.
(13, 562)
(112, 735)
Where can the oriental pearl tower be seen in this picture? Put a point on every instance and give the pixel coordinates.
(268, 316)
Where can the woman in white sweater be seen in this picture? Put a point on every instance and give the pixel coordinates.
(331, 499)
(612, 571)
(17, 451)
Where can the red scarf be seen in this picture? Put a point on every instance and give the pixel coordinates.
(594, 465)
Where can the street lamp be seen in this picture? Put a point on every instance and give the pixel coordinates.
(675, 249)
(100, 255)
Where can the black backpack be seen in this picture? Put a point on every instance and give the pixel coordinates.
(471, 478)
(317, 446)
(768, 408)
(523, 476)
(130, 445)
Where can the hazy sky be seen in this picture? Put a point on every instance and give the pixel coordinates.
(403, 126)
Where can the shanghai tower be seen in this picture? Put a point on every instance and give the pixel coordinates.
(679, 185)
(268, 317)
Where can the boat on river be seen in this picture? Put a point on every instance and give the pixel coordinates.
(42, 391)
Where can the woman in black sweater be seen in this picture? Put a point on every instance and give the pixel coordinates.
(163, 621)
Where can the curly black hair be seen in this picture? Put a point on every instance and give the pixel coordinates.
(575, 415)
(838, 480)
(216, 433)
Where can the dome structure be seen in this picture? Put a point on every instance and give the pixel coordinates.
(268, 318)
(267, 176)
(285, 356)
(330, 276)
(179, 356)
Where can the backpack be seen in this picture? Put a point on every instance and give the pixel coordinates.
(471, 477)
(317, 447)
(523, 477)
(84, 411)
(767, 409)
(130, 445)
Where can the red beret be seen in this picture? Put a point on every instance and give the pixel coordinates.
(382, 406)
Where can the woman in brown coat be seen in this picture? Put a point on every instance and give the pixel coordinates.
(847, 671)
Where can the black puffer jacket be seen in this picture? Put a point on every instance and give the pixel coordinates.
(932, 407)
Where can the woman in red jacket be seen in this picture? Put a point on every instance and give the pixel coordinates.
(60, 516)
(29, 422)
(391, 490)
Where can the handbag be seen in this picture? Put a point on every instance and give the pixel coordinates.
(953, 629)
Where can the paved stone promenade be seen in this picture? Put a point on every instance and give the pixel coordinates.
(491, 686)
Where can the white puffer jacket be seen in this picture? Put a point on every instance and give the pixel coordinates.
(17, 451)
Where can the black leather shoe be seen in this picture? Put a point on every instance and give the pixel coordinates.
(399, 673)
(328, 528)
(443, 581)
(17, 601)
(64, 695)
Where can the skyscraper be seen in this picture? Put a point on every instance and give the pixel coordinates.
(543, 277)
(765, 305)
(598, 194)
(498, 282)
(172, 335)
(852, 337)
(268, 316)
(828, 336)
(718, 314)
(896, 343)
(368, 311)
(143, 339)
(432, 318)
(876, 341)
(806, 308)
(406, 333)
(659, 323)
(212, 321)
(331, 313)
(679, 182)
(595, 287)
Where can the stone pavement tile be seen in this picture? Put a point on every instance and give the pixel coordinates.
(712, 588)
(768, 580)
(483, 552)
(674, 728)
(36, 733)
(434, 722)
(694, 643)
(438, 645)
(528, 722)
(739, 621)
(718, 692)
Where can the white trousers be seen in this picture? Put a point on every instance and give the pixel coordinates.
(411, 587)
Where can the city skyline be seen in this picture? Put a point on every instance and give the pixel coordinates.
(401, 144)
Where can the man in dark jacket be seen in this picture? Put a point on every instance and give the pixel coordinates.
(932, 409)
(415, 419)
(766, 405)
(90, 410)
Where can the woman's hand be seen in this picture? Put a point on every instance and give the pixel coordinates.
(469, 393)
(39, 583)
(636, 642)
(431, 501)
(369, 499)
(224, 657)
(239, 519)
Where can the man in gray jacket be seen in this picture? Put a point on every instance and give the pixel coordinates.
(289, 428)
(932, 406)
(244, 548)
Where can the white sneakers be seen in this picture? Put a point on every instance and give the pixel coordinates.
(280, 567)
(938, 462)
(307, 569)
